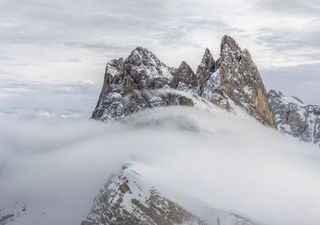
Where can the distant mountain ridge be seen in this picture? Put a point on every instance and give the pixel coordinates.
(294, 118)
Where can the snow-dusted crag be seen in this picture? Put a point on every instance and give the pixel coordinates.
(129, 199)
(133, 84)
(240, 81)
(295, 118)
(129, 86)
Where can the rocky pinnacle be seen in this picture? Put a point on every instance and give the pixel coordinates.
(133, 84)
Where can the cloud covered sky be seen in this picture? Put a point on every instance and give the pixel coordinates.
(72, 40)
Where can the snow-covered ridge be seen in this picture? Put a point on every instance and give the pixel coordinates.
(294, 118)
(128, 198)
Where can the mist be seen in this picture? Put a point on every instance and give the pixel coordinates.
(231, 162)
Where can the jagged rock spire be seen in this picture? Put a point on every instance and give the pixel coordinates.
(183, 76)
(235, 78)
(229, 47)
(206, 67)
(240, 80)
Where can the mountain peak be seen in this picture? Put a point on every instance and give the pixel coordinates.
(142, 56)
(207, 66)
(234, 79)
(185, 65)
(241, 81)
(207, 51)
(228, 43)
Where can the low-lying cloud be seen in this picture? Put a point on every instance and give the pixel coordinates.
(231, 162)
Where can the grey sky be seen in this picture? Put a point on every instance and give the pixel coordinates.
(72, 40)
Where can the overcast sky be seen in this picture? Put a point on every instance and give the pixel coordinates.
(71, 40)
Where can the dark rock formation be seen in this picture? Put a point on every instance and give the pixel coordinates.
(183, 78)
(130, 86)
(205, 69)
(295, 118)
(133, 84)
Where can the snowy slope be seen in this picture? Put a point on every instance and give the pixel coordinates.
(129, 199)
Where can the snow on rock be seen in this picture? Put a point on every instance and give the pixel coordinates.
(132, 85)
(129, 199)
(206, 67)
(10, 213)
(240, 80)
(294, 118)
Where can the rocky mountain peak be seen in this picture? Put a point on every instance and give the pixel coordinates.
(206, 67)
(184, 68)
(241, 81)
(183, 78)
(142, 56)
(229, 49)
(234, 80)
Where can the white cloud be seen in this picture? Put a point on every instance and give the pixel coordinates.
(230, 162)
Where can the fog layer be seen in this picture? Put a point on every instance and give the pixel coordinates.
(231, 162)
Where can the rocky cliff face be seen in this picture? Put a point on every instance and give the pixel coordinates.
(240, 81)
(295, 118)
(133, 84)
(129, 199)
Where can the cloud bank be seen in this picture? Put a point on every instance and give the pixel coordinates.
(231, 162)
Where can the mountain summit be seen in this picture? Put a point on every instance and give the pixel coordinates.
(137, 83)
